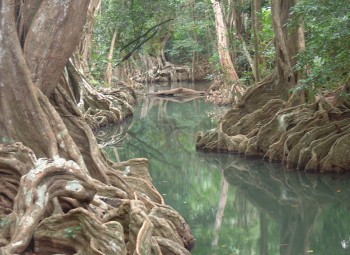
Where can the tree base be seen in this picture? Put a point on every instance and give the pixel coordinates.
(64, 210)
(309, 137)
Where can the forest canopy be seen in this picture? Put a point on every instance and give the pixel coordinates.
(187, 37)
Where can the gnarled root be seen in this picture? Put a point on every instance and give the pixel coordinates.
(79, 231)
(39, 188)
(56, 204)
(105, 106)
(310, 137)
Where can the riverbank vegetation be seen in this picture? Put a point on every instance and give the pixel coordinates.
(68, 67)
(300, 113)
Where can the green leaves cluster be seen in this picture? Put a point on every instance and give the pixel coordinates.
(327, 30)
(130, 19)
(192, 32)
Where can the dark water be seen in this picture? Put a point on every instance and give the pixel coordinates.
(233, 205)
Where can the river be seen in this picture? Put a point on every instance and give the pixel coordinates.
(234, 205)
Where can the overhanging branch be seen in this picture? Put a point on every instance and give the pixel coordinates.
(144, 34)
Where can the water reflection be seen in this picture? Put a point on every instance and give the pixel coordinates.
(113, 135)
(234, 205)
(311, 211)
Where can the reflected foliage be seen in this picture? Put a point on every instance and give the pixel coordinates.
(309, 209)
(113, 134)
(266, 210)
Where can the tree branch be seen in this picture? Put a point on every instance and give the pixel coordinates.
(144, 34)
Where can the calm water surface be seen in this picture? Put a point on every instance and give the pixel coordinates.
(233, 205)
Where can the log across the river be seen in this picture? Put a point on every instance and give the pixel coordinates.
(180, 92)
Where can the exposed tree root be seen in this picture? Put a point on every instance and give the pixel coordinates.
(78, 232)
(113, 134)
(108, 223)
(105, 106)
(160, 70)
(310, 137)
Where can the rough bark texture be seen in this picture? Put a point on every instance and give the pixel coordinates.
(307, 137)
(223, 42)
(59, 193)
(104, 106)
(226, 62)
(157, 69)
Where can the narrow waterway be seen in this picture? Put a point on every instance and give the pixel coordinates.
(233, 205)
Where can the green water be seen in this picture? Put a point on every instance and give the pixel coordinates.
(233, 205)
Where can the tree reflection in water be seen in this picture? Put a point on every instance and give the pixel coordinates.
(305, 207)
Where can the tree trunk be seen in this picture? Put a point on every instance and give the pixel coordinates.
(109, 70)
(234, 21)
(39, 118)
(256, 14)
(288, 42)
(223, 43)
(22, 110)
(228, 69)
(87, 38)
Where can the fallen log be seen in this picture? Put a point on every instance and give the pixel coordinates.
(176, 99)
(179, 92)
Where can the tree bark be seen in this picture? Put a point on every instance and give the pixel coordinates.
(47, 58)
(288, 42)
(109, 70)
(223, 43)
(39, 118)
(256, 15)
(228, 69)
(87, 38)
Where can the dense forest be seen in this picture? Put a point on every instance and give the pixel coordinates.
(68, 68)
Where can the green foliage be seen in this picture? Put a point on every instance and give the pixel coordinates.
(190, 32)
(71, 232)
(266, 45)
(191, 29)
(131, 19)
(327, 27)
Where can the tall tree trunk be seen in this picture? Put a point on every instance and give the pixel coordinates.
(235, 24)
(223, 43)
(230, 74)
(38, 66)
(109, 70)
(256, 14)
(288, 41)
(236, 6)
(86, 41)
